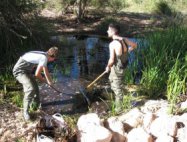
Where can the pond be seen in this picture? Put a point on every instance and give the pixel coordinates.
(82, 56)
(81, 59)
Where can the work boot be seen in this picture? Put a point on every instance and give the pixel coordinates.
(26, 116)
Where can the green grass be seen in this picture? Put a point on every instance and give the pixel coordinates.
(149, 6)
(16, 97)
(176, 84)
(164, 61)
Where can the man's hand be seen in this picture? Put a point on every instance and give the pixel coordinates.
(107, 69)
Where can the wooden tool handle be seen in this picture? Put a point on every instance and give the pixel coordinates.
(96, 79)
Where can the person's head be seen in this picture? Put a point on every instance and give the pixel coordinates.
(52, 53)
(113, 29)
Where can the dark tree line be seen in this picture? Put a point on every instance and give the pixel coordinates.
(13, 27)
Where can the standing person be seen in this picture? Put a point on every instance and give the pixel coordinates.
(23, 69)
(118, 61)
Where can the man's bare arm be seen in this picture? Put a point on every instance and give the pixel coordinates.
(39, 75)
(111, 59)
(47, 78)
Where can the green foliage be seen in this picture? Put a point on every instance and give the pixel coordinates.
(112, 112)
(126, 104)
(128, 76)
(19, 140)
(162, 7)
(56, 5)
(99, 4)
(17, 98)
(116, 5)
(151, 75)
(103, 27)
(138, 1)
(164, 63)
(127, 100)
(6, 75)
(13, 29)
(176, 83)
(149, 6)
(172, 16)
(71, 123)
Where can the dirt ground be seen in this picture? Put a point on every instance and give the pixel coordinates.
(131, 24)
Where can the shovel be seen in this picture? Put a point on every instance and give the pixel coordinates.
(83, 90)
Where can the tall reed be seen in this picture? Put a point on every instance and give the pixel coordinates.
(176, 83)
(160, 59)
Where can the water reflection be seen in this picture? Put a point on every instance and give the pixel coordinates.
(87, 56)
(81, 56)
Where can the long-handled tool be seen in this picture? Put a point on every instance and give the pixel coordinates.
(83, 90)
(92, 83)
(54, 88)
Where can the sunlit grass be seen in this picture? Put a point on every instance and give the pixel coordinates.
(147, 6)
(16, 98)
(71, 123)
(176, 84)
(164, 64)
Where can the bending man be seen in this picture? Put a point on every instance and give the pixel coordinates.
(23, 69)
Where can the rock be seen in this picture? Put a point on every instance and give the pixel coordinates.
(117, 128)
(164, 138)
(148, 119)
(1, 131)
(91, 130)
(158, 107)
(134, 117)
(182, 134)
(139, 135)
(184, 105)
(164, 125)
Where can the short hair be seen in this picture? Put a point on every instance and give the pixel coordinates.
(53, 51)
(115, 27)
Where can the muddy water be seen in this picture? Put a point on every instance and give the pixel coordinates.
(81, 56)
(80, 61)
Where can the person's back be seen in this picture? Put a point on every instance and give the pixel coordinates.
(121, 58)
(28, 61)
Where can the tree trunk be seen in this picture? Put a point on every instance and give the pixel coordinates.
(81, 5)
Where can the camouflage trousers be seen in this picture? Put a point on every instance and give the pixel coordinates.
(31, 90)
(116, 85)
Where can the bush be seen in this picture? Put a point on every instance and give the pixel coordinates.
(163, 8)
